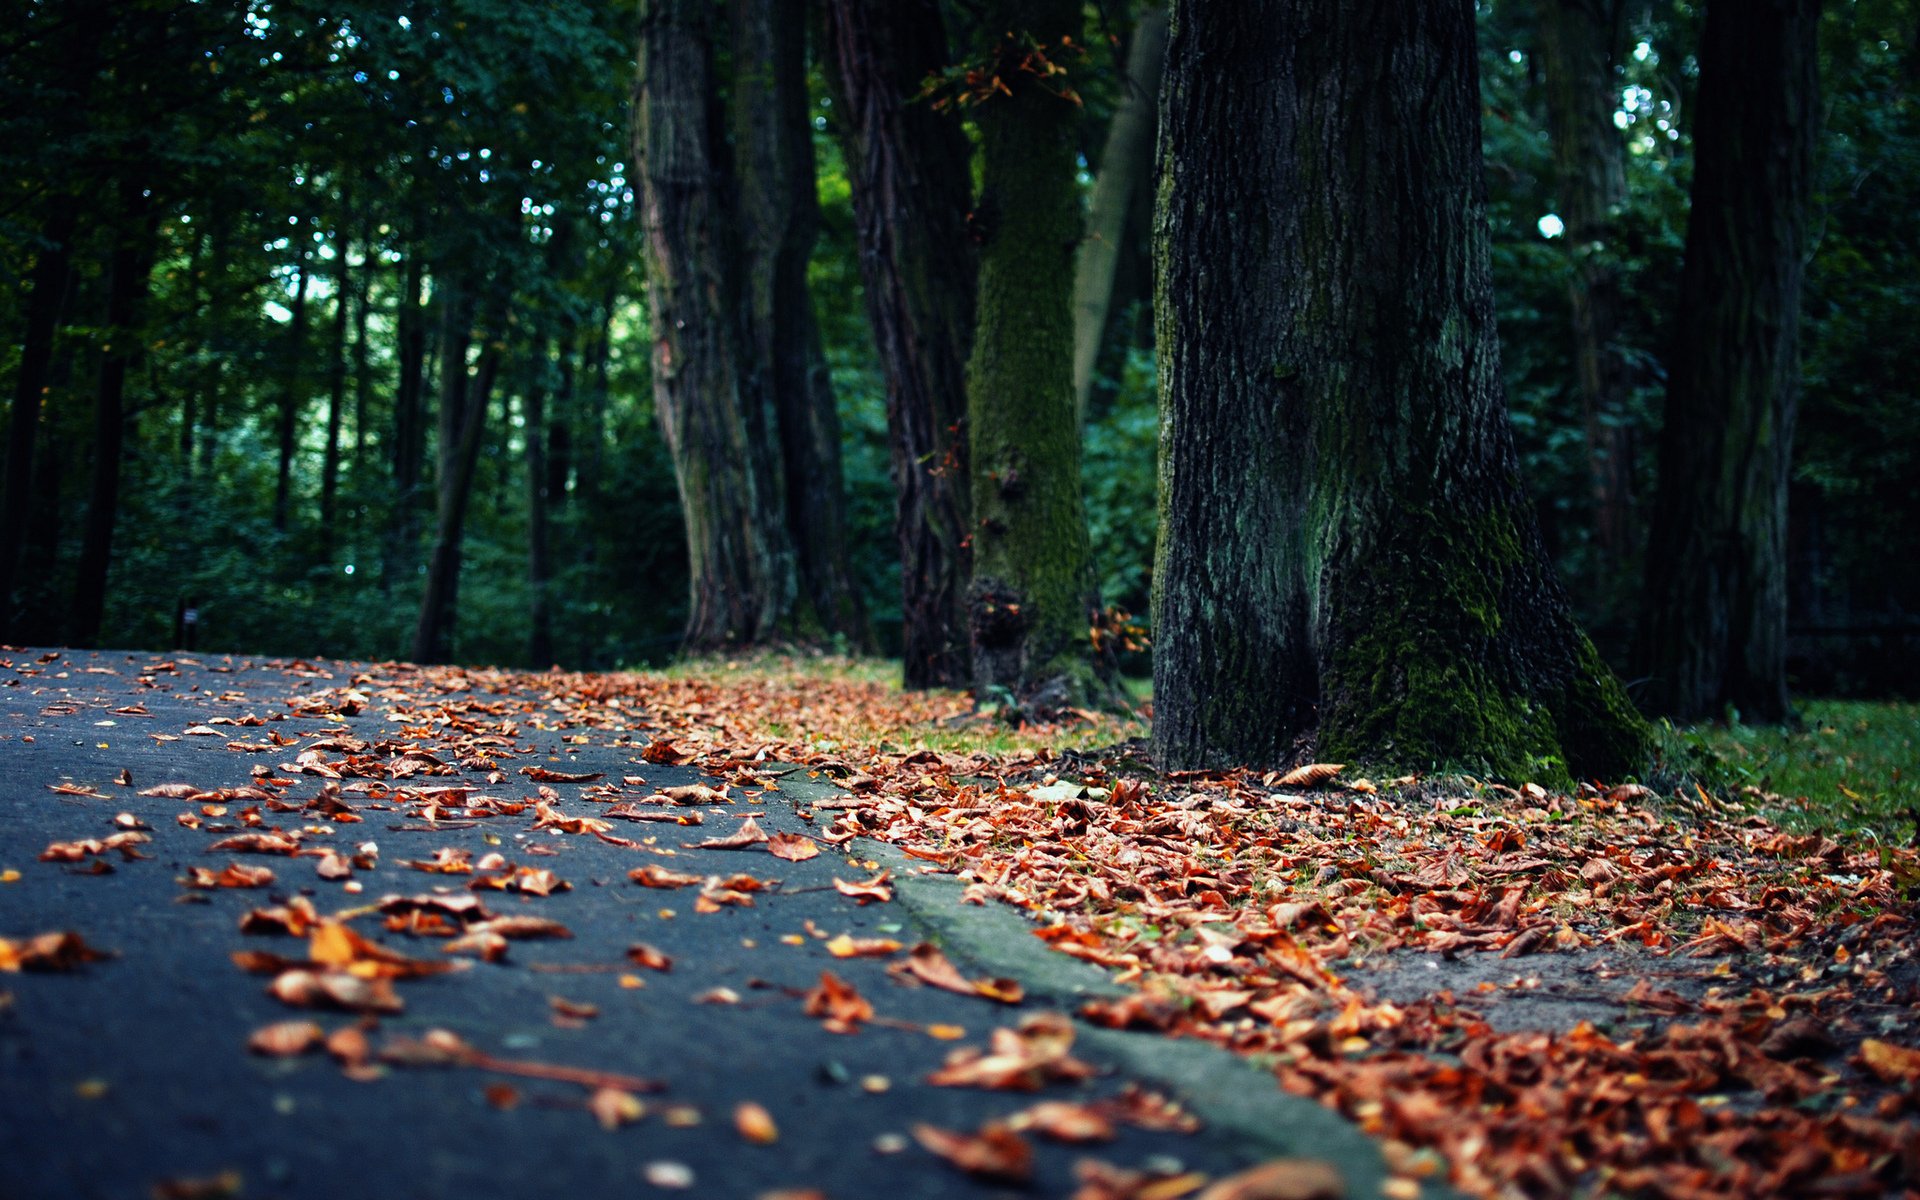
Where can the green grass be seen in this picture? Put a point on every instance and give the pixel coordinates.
(1853, 767)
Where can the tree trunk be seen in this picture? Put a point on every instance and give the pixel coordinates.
(464, 394)
(779, 217)
(127, 274)
(539, 560)
(1714, 629)
(409, 423)
(287, 424)
(1345, 550)
(52, 270)
(1578, 42)
(741, 585)
(336, 403)
(1125, 170)
(1033, 599)
(908, 166)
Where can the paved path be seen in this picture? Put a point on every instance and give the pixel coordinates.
(134, 1070)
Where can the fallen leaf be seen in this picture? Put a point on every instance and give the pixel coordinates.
(926, 963)
(286, 1039)
(62, 951)
(793, 847)
(335, 989)
(641, 954)
(1310, 775)
(1064, 1122)
(664, 1173)
(1281, 1179)
(1892, 1063)
(613, 1107)
(576, 1010)
(1021, 1059)
(755, 1123)
(258, 843)
(867, 889)
(543, 775)
(749, 834)
(840, 1006)
(996, 1152)
(660, 877)
(846, 946)
(209, 1187)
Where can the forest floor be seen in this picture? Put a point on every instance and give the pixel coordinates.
(777, 929)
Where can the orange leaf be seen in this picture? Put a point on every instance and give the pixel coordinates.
(755, 1123)
(794, 847)
(996, 1152)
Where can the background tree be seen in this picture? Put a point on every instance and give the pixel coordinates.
(910, 188)
(1346, 551)
(1033, 599)
(1713, 633)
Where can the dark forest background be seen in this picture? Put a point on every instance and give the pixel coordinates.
(239, 244)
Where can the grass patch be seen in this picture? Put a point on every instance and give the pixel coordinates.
(1853, 767)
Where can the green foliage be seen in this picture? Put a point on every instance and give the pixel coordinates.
(1851, 767)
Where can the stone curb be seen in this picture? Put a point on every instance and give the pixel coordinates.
(1231, 1094)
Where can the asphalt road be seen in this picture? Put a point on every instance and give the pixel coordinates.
(133, 1071)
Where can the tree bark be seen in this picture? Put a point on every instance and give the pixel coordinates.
(1124, 171)
(464, 395)
(1033, 599)
(742, 584)
(128, 270)
(409, 424)
(1346, 555)
(785, 366)
(1713, 630)
(52, 271)
(539, 558)
(287, 423)
(336, 402)
(908, 166)
(1578, 41)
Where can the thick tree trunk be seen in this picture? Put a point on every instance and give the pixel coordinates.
(287, 422)
(1713, 633)
(908, 166)
(742, 581)
(1033, 599)
(1345, 551)
(462, 418)
(1578, 42)
(52, 270)
(779, 217)
(128, 270)
(1125, 171)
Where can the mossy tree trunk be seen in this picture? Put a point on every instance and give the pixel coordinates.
(1714, 628)
(742, 583)
(1347, 562)
(1033, 598)
(908, 166)
(1578, 42)
(785, 365)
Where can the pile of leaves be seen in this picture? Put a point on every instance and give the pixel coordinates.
(1753, 991)
(1744, 996)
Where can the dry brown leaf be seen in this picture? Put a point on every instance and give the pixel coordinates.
(660, 877)
(794, 847)
(543, 775)
(573, 1010)
(335, 989)
(749, 834)
(1022, 1059)
(996, 1152)
(223, 1186)
(258, 843)
(840, 1007)
(61, 951)
(867, 889)
(521, 928)
(926, 963)
(847, 946)
(1064, 1122)
(1309, 776)
(755, 1123)
(1892, 1063)
(1281, 1179)
(613, 1107)
(643, 955)
(286, 1039)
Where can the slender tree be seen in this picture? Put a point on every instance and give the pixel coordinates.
(1125, 172)
(1346, 554)
(1578, 42)
(742, 582)
(779, 221)
(1033, 600)
(1714, 628)
(293, 370)
(908, 167)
